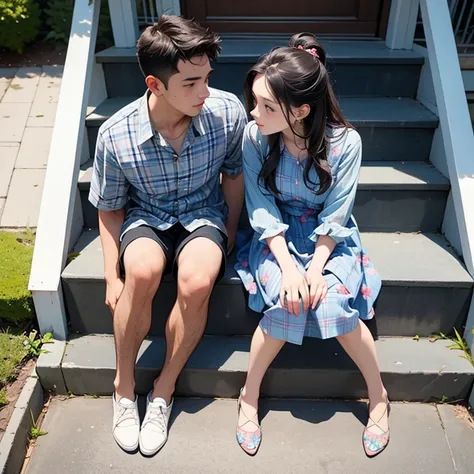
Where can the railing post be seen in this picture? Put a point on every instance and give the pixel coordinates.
(60, 187)
(402, 24)
(168, 7)
(456, 128)
(123, 16)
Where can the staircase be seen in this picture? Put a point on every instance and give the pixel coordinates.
(400, 208)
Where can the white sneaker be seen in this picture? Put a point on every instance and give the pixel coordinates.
(126, 424)
(154, 431)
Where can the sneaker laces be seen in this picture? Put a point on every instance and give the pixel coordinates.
(127, 414)
(156, 417)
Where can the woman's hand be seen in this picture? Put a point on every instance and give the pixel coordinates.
(317, 284)
(294, 287)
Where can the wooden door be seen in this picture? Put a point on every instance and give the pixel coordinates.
(366, 18)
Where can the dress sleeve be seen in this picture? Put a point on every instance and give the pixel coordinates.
(265, 217)
(339, 202)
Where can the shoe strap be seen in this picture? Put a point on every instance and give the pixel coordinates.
(377, 423)
(126, 413)
(249, 420)
(156, 416)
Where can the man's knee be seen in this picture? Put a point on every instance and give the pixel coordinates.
(195, 282)
(143, 273)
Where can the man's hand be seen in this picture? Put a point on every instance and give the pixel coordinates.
(113, 292)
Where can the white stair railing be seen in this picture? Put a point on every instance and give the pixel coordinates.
(60, 187)
(455, 124)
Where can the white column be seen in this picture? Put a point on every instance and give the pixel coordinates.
(123, 16)
(402, 24)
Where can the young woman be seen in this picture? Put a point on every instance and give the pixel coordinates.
(305, 267)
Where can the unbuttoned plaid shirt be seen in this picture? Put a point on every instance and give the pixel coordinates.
(135, 167)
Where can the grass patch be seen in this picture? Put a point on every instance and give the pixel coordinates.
(3, 397)
(12, 352)
(16, 253)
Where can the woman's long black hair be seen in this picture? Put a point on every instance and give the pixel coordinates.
(297, 77)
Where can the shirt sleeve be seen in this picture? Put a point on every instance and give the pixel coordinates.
(232, 165)
(265, 217)
(337, 210)
(109, 186)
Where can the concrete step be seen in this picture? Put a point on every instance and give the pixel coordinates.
(299, 436)
(386, 190)
(411, 370)
(425, 289)
(392, 129)
(356, 68)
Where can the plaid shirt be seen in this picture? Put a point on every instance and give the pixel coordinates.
(135, 165)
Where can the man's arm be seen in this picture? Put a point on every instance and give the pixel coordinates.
(109, 193)
(232, 173)
(110, 225)
(233, 190)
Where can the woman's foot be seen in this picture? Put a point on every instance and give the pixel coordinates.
(377, 433)
(248, 432)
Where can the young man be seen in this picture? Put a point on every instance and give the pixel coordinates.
(162, 156)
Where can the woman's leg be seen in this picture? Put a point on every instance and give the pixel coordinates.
(360, 346)
(262, 352)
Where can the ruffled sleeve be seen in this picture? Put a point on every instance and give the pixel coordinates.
(265, 217)
(337, 210)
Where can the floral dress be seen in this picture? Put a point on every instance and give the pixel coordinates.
(353, 282)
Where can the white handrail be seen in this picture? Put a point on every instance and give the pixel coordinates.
(456, 128)
(60, 187)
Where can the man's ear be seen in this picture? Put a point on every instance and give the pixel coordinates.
(155, 85)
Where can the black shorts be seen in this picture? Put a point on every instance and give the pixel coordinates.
(172, 241)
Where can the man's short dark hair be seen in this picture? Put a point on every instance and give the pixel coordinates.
(162, 45)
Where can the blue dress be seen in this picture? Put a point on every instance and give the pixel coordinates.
(353, 282)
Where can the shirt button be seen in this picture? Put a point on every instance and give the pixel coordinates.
(297, 182)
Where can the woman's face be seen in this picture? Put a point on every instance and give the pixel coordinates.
(267, 111)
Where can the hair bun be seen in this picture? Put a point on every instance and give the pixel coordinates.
(306, 40)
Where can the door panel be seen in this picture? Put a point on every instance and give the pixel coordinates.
(323, 17)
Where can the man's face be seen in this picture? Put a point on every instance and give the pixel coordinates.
(188, 89)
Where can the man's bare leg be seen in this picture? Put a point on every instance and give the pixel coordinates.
(198, 267)
(144, 263)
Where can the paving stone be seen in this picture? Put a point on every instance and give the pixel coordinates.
(4, 83)
(6, 76)
(49, 85)
(7, 163)
(23, 87)
(7, 72)
(24, 199)
(34, 149)
(299, 436)
(42, 114)
(13, 118)
(460, 434)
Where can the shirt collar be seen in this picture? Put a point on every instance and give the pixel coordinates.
(146, 131)
(145, 128)
(198, 125)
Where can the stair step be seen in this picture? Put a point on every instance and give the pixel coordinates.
(425, 289)
(357, 68)
(386, 190)
(392, 129)
(411, 370)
